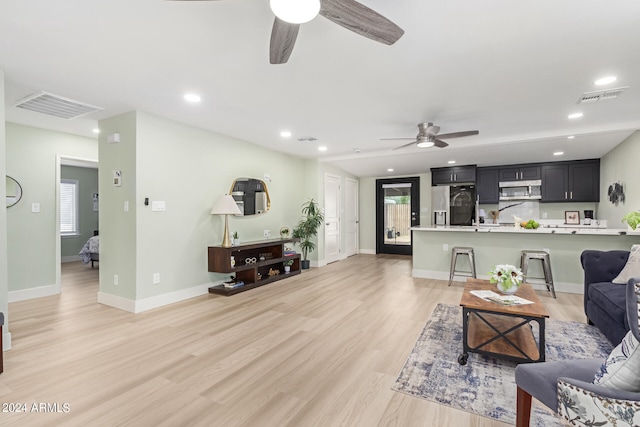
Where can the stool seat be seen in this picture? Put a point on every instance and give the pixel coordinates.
(462, 250)
(542, 256)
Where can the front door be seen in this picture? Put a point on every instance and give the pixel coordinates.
(398, 204)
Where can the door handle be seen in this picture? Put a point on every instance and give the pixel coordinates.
(326, 223)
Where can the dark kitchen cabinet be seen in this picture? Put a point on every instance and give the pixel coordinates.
(520, 173)
(577, 181)
(453, 175)
(487, 180)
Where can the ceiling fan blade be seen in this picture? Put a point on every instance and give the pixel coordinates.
(440, 144)
(458, 134)
(433, 130)
(283, 38)
(360, 19)
(406, 145)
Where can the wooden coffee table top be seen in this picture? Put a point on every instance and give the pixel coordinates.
(469, 300)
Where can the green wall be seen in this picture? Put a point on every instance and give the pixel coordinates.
(87, 218)
(620, 165)
(33, 243)
(189, 169)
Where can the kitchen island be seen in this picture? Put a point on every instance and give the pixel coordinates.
(502, 245)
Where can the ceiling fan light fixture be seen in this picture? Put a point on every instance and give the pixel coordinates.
(295, 11)
(425, 144)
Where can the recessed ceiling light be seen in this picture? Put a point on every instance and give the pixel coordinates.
(571, 137)
(558, 153)
(605, 80)
(451, 162)
(285, 134)
(575, 115)
(322, 148)
(192, 97)
(390, 170)
(96, 130)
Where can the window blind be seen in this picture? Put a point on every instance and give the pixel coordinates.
(68, 207)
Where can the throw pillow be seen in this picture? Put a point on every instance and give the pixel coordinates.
(620, 370)
(631, 268)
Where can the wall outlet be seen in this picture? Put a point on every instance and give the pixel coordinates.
(445, 247)
(267, 234)
(544, 215)
(115, 279)
(156, 278)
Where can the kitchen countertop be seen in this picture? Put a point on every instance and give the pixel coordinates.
(540, 230)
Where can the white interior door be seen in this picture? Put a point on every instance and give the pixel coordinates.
(351, 216)
(331, 217)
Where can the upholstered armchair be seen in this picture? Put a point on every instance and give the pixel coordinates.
(567, 387)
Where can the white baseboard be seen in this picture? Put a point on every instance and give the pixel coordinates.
(70, 258)
(25, 294)
(367, 251)
(153, 302)
(570, 288)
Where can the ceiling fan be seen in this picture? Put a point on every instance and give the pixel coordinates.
(349, 14)
(428, 136)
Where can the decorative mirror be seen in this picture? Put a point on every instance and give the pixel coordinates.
(14, 191)
(251, 196)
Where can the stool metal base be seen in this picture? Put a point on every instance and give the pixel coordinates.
(543, 257)
(459, 250)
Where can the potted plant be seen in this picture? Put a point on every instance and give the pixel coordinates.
(287, 266)
(307, 229)
(236, 240)
(284, 233)
(632, 219)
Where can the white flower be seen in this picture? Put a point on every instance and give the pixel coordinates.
(506, 276)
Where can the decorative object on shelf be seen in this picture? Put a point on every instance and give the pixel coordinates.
(250, 260)
(259, 276)
(287, 266)
(307, 229)
(233, 262)
(632, 219)
(226, 206)
(507, 277)
(284, 233)
(494, 216)
(236, 239)
(273, 272)
(572, 217)
(616, 193)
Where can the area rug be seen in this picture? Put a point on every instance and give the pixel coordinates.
(485, 385)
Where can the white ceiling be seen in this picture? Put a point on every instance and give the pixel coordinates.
(513, 70)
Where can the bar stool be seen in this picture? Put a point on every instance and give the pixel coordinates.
(543, 257)
(459, 250)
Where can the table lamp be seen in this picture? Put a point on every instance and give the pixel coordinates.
(226, 206)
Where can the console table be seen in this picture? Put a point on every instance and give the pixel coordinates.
(249, 267)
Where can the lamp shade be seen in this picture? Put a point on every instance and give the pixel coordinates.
(225, 206)
(295, 11)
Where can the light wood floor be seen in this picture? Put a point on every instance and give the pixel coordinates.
(319, 349)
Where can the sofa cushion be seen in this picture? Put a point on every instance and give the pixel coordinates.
(620, 370)
(631, 268)
(612, 299)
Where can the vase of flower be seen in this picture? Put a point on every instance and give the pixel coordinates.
(507, 278)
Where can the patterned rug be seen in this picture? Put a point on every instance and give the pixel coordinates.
(485, 385)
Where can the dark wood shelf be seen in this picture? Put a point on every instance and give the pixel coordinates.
(219, 260)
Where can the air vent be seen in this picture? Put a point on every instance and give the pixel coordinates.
(307, 138)
(54, 105)
(601, 95)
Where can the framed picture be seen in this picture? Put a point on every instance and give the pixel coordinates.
(572, 217)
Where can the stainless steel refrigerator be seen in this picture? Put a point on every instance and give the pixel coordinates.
(459, 202)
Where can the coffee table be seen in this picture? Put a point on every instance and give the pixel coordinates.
(502, 331)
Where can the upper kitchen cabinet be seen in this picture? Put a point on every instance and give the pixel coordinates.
(520, 173)
(453, 175)
(577, 181)
(487, 180)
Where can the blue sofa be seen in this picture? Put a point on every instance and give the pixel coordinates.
(605, 301)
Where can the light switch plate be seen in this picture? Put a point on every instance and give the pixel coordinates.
(35, 207)
(158, 205)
